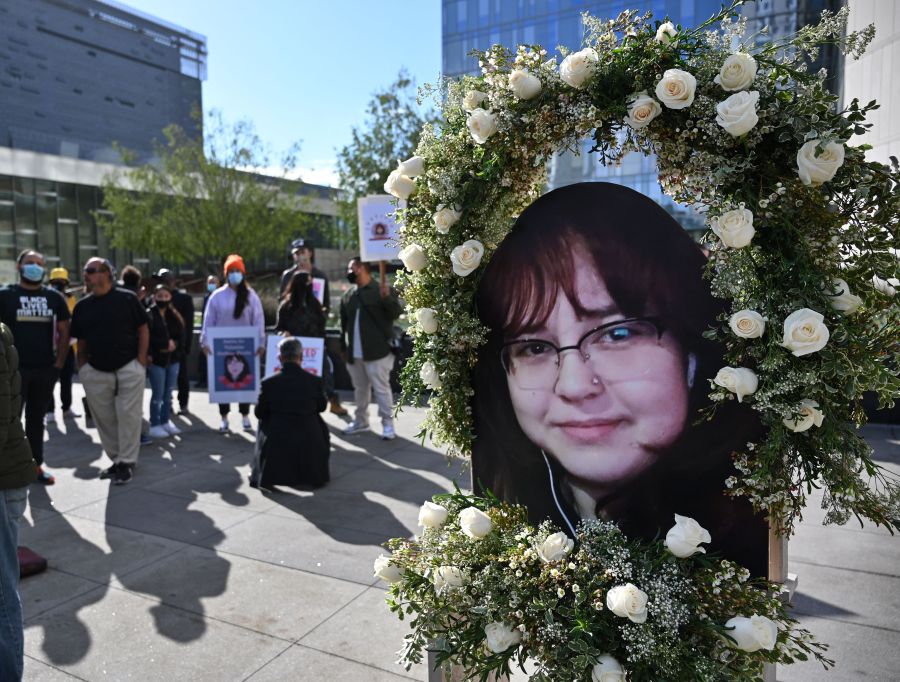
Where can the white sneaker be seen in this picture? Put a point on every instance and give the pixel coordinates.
(245, 422)
(355, 427)
(171, 429)
(388, 432)
(223, 427)
(158, 431)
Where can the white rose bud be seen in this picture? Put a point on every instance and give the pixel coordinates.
(734, 228)
(432, 515)
(578, 67)
(524, 84)
(737, 114)
(473, 99)
(737, 73)
(814, 170)
(427, 319)
(676, 89)
(843, 301)
(555, 548)
(642, 109)
(739, 380)
(474, 523)
(447, 578)
(805, 332)
(808, 415)
(684, 538)
(385, 570)
(753, 633)
(627, 601)
(501, 636)
(482, 124)
(412, 167)
(399, 185)
(747, 324)
(466, 257)
(429, 375)
(665, 33)
(607, 669)
(413, 257)
(886, 287)
(445, 217)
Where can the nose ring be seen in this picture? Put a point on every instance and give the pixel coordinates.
(595, 381)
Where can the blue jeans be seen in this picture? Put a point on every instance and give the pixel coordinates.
(162, 381)
(12, 636)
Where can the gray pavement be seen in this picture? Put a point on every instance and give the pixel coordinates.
(187, 573)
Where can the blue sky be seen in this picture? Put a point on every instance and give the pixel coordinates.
(305, 69)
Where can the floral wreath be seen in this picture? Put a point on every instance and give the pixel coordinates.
(803, 230)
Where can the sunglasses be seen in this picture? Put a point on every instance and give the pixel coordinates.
(92, 271)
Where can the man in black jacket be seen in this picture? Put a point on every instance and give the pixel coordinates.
(184, 304)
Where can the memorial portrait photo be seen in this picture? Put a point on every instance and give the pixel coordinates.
(589, 390)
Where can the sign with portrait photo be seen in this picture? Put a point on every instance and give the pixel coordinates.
(233, 365)
(318, 287)
(591, 393)
(378, 231)
(313, 354)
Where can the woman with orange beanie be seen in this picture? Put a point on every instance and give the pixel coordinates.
(234, 305)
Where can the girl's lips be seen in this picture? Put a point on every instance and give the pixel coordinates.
(589, 430)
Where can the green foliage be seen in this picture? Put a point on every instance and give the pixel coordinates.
(201, 200)
(390, 132)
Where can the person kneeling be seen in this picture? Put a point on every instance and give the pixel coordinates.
(293, 443)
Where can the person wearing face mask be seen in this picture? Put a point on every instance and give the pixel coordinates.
(212, 283)
(234, 305)
(184, 304)
(39, 319)
(166, 336)
(59, 280)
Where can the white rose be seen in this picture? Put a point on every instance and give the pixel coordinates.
(386, 570)
(737, 114)
(665, 33)
(814, 170)
(843, 301)
(427, 319)
(676, 89)
(753, 633)
(482, 124)
(501, 636)
(737, 73)
(734, 228)
(886, 287)
(627, 601)
(808, 415)
(474, 523)
(804, 332)
(739, 380)
(524, 84)
(401, 186)
(413, 257)
(473, 100)
(429, 375)
(432, 515)
(684, 538)
(607, 669)
(578, 67)
(555, 548)
(412, 167)
(445, 217)
(448, 578)
(466, 257)
(642, 109)
(747, 324)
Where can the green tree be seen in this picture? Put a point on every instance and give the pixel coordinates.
(390, 132)
(203, 199)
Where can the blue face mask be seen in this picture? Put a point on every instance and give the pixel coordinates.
(210, 287)
(33, 272)
(235, 278)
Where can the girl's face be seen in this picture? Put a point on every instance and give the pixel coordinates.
(163, 297)
(234, 367)
(607, 417)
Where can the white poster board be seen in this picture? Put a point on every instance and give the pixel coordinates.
(318, 285)
(379, 233)
(313, 354)
(233, 365)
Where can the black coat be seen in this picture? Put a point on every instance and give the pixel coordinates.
(184, 304)
(296, 442)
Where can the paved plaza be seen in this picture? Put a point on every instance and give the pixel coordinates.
(187, 573)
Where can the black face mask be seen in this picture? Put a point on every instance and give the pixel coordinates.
(59, 286)
(163, 304)
(351, 277)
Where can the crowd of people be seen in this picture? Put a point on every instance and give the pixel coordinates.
(128, 331)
